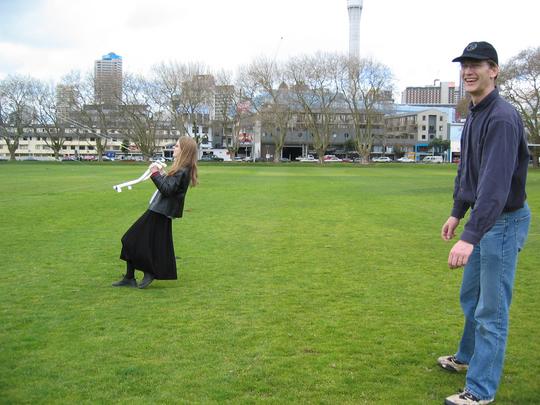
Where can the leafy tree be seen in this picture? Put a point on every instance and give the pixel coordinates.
(519, 82)
(439, 145)
(348, 146)
(398, 151)
(124, 148)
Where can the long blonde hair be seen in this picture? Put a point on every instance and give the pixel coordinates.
(186, 158)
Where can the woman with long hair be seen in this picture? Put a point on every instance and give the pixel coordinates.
(148, 245)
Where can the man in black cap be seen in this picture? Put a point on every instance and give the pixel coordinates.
(490, 182)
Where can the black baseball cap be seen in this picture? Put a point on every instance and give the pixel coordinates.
(479, 50)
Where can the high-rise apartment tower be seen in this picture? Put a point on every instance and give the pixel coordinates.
(442, 93)
(354, 7)
(108, 79)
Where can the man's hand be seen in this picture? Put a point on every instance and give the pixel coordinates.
(448, 230)
(460, 253)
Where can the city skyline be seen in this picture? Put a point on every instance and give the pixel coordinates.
(417, 39)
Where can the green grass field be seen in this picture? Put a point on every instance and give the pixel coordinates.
(297, 284)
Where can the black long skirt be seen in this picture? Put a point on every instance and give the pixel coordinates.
(148, 245)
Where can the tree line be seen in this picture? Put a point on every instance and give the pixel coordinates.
(315, 93)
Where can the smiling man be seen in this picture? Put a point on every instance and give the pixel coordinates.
(491, 182)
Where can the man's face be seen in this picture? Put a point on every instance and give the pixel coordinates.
(478, 77)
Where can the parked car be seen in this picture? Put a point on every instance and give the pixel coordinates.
(381, 159)
(433, 159)
(210, 158)
(331, 158)
(309, 158)
(405, 159)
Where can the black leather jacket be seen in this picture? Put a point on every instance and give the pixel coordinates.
(169, 200)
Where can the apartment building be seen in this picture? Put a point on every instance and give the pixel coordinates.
(413, 131)
(445, 93)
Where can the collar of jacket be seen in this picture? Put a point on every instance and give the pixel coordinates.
(485, 102)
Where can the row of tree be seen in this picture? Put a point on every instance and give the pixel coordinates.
(304, 93)
(314, 93)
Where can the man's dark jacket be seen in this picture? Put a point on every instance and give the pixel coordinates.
(493, 168)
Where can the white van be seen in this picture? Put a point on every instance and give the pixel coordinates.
(433, 159)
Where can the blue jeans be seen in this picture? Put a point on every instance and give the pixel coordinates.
(485, 296)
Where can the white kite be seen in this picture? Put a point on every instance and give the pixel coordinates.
(145, 176)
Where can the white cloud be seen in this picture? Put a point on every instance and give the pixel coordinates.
(417, 39)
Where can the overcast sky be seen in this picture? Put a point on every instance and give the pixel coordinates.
(417, 39)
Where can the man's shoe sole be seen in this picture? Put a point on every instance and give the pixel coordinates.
(448, 366)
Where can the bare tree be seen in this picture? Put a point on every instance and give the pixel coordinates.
(225, 107)
(185, 92)
(169, 78)
(519, 81)
(365, 85)
(233, 112)
(16, 112)
(141, 108)
(81, 111)
(48, 117)
(264, 85)
(314, 86)
(196, 100)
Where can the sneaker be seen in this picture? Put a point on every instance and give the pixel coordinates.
(147, 279)
(465, 398)
(450, 363)
(126, 282)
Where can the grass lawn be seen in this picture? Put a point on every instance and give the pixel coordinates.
(297, 284)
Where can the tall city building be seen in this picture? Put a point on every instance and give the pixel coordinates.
(108, 79)
(66, 100)
(223, 102)
(445, 93)
(354, 7)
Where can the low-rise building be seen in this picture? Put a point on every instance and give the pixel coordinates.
(412, 132)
